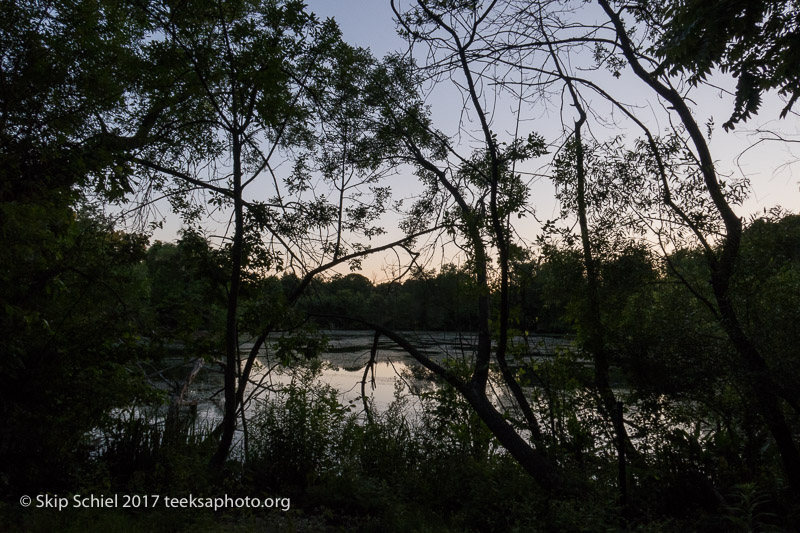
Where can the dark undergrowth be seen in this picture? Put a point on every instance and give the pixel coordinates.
(321, 467)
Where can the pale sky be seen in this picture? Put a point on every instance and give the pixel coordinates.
(771, 166)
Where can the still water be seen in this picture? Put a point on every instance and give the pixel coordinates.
(343, 364)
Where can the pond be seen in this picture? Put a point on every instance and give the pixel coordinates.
(343, 365)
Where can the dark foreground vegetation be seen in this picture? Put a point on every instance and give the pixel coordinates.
(674, 409)
(702, 462)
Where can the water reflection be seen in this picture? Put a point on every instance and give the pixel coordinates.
(342, 368)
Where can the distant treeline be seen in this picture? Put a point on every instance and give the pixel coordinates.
(189, 272)
(547, 294)
(436, 301)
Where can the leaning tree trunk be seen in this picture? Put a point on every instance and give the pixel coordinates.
(757, 375)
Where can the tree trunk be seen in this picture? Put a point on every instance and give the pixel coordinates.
(231, 322)
(758, 376)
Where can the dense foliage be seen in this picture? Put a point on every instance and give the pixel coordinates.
(755, 41)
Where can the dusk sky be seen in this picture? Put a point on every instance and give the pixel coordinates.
(771, 166)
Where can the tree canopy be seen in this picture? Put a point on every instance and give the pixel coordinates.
(754, 41)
